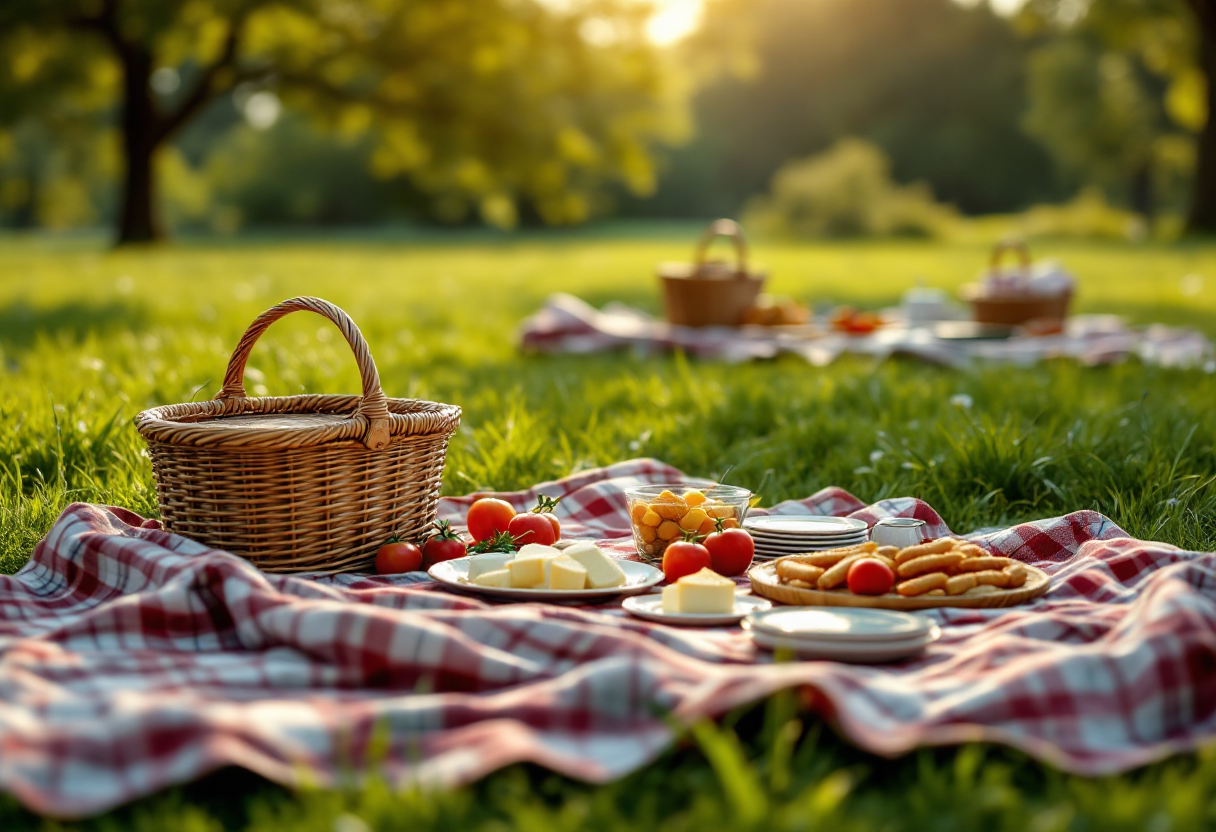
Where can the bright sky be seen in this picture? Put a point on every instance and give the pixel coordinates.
(673, 19)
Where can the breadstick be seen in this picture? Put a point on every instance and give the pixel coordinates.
(929, 563)
(970, 550)
(835, 576)
(888, 552)
(982, 589)
(991, 577)
(797, 584)
(884, 559)
(936, 592)
(1016, 573)
(936, 547)
(792, 570)
(831, 557)
(981, 564)
(960, 584)
(923, 584)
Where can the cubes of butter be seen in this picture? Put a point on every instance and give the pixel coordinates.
(704, 592)
(582, 566)
(603, 572)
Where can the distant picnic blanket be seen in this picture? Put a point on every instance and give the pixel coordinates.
(132, 659)
(566, 324)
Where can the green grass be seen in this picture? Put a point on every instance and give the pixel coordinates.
(90, 337)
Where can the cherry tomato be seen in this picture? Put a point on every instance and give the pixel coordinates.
(683, 557)
(531, 528)
(870, 577)
(397, 556)
(441, 547)
(730, 551)
(489, 516)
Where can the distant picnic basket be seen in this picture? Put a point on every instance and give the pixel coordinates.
(711, 292)
(299, 483)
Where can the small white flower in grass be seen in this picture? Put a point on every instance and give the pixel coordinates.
(863, 470)
(907, 466)
(1210, 367)
(875, 456)
(1123, 422)
(1172, 501)
(914, 424)
(962, 400)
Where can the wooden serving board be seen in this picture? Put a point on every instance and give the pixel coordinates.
(764, 582)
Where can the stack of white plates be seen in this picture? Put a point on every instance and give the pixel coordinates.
(778, 535)
(843, 634)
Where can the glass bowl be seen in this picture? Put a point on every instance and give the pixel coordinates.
(660, 514)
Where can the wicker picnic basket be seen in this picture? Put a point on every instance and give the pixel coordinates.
(710, 292)
(299, 483)
(1015, 308)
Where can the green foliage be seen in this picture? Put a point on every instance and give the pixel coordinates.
(484, 105)
(845, 191)
(938, 87)
(87, 339)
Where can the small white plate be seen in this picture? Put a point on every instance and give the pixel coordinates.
(650, 607)
(841, 624)
(804, 525)
(854, 652)
(639, 577)
(803, 542)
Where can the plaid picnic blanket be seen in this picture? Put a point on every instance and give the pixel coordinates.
(566, 324)
(132, 659)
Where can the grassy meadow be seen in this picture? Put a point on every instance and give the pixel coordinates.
(88, 337)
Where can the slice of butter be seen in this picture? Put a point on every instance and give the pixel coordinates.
(527, 573)
(481, 564)
(497, 577)
(705, 592)
(603, 571)
(535, 550)
(671, 598)
(565, 573)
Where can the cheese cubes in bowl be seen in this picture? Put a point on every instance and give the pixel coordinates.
(663, 513)
(581, 566)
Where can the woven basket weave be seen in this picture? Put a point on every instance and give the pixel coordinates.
(299, 483)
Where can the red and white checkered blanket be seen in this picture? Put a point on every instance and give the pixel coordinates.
(132, 659)
(566, 324)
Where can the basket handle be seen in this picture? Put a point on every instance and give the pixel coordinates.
(1016, 246)
(732, 231)
(374, 406)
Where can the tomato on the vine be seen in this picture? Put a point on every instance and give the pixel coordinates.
(684, 557)
(441, 546)
(397, 556)
(532, 528)
(730, 550)
(489, 516)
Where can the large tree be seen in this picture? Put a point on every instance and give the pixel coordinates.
(1173, 40)
(488, 101)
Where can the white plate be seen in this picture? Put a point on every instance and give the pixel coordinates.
(821, 544)
(841, 624)
(804, 524)
(855, 652)
(650, 607)
(639, 577)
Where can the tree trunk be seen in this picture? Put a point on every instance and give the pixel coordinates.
(1202, 217)
(1143, 199)
(139, 221)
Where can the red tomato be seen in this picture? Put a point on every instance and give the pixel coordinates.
(557, 526)
(683, 557)
(870, 577)
(397, 556)
(730, 551)
(489, 516)
(438, 549)
(531, 528)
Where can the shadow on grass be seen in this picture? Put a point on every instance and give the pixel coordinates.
(21, 324)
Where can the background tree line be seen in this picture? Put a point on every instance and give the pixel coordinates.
(223, 114)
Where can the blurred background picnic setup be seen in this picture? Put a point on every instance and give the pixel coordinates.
(422, 414)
